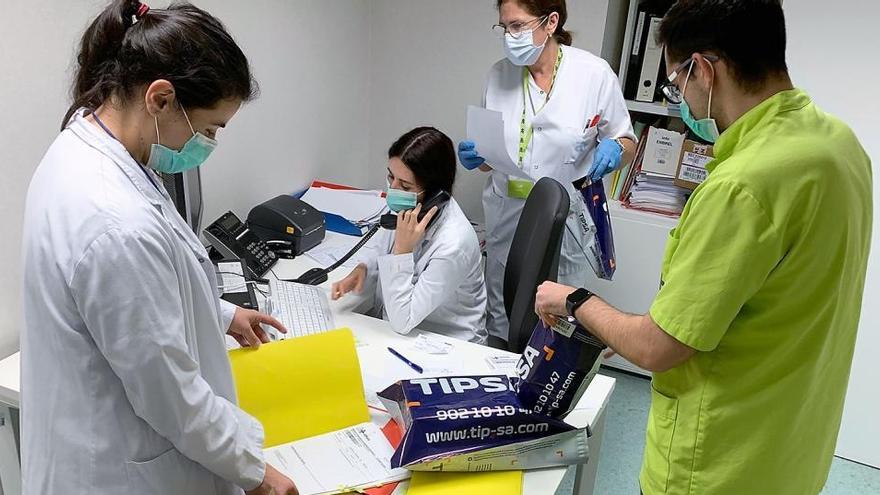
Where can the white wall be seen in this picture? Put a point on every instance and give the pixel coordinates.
(430, 61)
(832, 55)
(36, 57)
(310, 56)
(312, 60)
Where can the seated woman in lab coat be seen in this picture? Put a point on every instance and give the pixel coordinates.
(427, 273)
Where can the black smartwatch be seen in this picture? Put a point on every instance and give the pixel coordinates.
(576, 299)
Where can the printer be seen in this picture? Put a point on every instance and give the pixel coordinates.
(289, 221)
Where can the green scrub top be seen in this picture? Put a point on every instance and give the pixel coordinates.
(763, 277)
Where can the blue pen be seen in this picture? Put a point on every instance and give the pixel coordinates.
(407, 361)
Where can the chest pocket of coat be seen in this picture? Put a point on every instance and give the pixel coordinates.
(584, 144)
(553, 150)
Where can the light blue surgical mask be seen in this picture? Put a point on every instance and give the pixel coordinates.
(194, 152)
(706, 129)
(522, 51)
(399, 200)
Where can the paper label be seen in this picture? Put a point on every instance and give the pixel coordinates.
(693, 166)
(564, 327)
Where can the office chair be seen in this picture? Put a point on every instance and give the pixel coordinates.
(534, 257)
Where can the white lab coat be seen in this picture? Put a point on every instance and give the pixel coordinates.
(562, 148)
(438, 287)
(126, 384)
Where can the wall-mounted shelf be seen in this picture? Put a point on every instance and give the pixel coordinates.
(655, 108)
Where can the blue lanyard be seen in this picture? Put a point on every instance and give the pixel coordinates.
(144, 170)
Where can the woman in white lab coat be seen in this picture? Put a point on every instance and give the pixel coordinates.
(427, 273)
(566, 118)
(126, 384)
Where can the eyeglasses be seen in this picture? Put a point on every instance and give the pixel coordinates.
(516, 29)
(670, 90)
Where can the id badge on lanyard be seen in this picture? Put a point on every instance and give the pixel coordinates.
(517, 187)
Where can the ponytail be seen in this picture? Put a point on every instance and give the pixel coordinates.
(561, 35)
(97, 62)
(129, 45)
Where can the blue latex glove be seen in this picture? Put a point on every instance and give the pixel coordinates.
(607, 158)
(468, 155)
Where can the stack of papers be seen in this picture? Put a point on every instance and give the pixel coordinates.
(356, 206)
(657, 193)
(351, 459)
(647, 183)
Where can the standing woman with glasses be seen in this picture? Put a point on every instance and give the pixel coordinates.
(565, 118)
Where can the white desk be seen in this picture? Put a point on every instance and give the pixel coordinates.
(10, 469)
(379, 368)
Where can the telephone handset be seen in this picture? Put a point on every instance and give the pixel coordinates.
(439, 199)
(232, 239)
(388, 221)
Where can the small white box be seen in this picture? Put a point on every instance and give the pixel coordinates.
(662, 151)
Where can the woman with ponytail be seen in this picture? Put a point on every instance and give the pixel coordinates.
(565, 118)
(126, 384)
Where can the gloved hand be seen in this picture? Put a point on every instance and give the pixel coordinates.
(607, 158)
(468, 155)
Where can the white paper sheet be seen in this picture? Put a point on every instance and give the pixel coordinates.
(326, 255)
(356, 457)
(352, 205)
(504, 363)
(486, 129)
(232, 279)
(433, 344)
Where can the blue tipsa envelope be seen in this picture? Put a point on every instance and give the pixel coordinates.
(476, 423)
(496, 422)
(596, 226)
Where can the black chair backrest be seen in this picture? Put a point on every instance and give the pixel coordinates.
(534, 257)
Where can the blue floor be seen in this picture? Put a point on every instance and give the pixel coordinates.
(624, 442)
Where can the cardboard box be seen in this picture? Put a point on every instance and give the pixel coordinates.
(662, 150)
(692, 164)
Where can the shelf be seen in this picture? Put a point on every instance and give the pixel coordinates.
(654, 108)
(617, 210)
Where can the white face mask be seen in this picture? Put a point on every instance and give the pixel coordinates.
(522, 51)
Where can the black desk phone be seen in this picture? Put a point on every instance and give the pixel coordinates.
(439, 199)
(233, 239)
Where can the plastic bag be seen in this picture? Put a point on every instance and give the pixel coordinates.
(595, 225)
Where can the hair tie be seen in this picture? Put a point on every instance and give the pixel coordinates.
(142, 10)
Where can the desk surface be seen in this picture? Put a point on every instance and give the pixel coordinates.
(10, 380)
(380, 369)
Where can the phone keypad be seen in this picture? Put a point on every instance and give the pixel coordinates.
(260, 252)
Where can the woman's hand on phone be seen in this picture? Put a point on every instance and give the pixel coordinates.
(410, 230)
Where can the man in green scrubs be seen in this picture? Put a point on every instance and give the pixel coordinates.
(751, 336)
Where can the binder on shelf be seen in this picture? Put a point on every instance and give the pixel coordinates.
(653, 56)
(640, 35)
(630, 171)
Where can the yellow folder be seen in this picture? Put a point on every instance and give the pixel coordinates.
(493, 483)
(301, 387)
